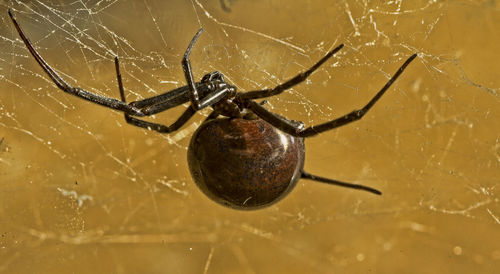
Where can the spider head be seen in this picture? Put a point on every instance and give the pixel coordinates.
(215, 76)
(216, 80)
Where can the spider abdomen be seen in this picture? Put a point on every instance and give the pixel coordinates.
(244, 164)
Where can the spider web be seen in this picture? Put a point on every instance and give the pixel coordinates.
(79, 184)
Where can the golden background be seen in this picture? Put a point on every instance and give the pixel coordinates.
(82, 191)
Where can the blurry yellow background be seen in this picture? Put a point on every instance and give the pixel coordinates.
(82, 191)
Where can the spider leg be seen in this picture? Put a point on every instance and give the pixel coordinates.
(210, 98)
(176, 97)
(292, 82)
(64, 86)
(299, 131)
(179, 96)
(188, 113)
(188, 73)
(308, 176)
(161, 104)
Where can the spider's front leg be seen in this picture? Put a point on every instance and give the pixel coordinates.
(65, 86)
(212, 97)
(188, 73)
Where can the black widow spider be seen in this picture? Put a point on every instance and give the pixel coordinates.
(250, 159)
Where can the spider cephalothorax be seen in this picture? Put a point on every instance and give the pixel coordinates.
(223, 105)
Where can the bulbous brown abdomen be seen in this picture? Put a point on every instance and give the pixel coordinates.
(244, 164)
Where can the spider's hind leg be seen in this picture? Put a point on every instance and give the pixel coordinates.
(308, 176)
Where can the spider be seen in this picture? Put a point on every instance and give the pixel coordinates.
(248, 159)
